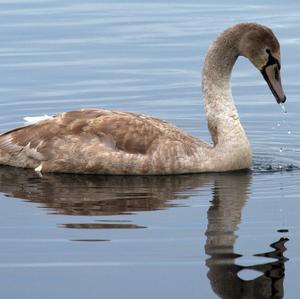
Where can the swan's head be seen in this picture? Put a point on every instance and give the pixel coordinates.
(262, 48)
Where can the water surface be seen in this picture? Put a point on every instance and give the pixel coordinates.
(187, 236)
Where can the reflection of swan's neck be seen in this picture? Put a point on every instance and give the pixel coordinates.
(229, 196)
(222, 116)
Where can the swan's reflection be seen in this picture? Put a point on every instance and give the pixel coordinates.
(115, 195)
(98, 194)
(224, 215)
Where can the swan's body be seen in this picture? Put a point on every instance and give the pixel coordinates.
(111, 142)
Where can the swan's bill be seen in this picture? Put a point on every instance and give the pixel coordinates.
(271, 74)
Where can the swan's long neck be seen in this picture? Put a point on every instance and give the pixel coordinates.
(222, 116)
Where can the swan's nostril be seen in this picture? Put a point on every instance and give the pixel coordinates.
(276, 73)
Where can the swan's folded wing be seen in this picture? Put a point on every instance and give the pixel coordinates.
(87, 130)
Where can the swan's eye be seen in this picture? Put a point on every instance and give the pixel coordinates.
(271, 59)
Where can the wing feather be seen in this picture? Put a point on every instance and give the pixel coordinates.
(129, 132)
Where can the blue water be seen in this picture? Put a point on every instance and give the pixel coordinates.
(189, 236)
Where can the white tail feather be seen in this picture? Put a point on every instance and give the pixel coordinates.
(35, 119)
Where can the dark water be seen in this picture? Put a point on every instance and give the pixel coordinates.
(232, 235)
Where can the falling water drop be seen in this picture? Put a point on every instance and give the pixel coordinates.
(283, 108)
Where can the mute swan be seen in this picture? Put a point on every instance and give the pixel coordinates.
(113, 142)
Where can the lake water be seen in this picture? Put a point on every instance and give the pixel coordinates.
(234, 235)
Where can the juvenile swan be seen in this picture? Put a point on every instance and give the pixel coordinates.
(113, 142)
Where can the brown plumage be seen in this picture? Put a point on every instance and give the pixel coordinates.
(112, 142)
(97, 141)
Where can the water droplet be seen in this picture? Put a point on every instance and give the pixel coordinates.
(278, 125)
(289, 132)
(283, 108)
(281, 150)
